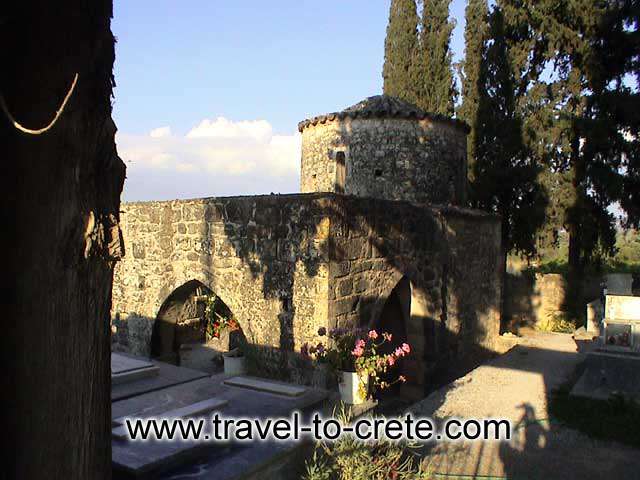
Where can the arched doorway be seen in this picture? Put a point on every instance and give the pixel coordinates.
(183, 321)
(394, 319)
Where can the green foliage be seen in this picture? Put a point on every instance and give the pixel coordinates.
(572, 60)
(219, 317)
(435, 87)
(357, 350)
(400, 50)
(625, 260)
(505, 173)
(628, 250)
(352, 459)
(562, 322)
(476, 36)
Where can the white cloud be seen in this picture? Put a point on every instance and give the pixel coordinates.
(160, 132)
(258, 130)
(216, 157)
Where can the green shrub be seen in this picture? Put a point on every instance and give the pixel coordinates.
(351, 459)
(561, 322)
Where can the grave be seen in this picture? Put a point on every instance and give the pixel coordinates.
(177, 392)
(609, 374)
(614, 369)
(266, 386)
(125, 368)
(146, 376)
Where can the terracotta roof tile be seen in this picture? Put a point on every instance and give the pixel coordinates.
(382, 106)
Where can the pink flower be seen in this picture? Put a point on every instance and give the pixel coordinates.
(357, 352)
(399, 352)
(406, 347)
(391, 360)
(360, 344)
(373, 334)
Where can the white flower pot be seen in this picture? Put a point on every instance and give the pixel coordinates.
(349, 386)
(234, 366)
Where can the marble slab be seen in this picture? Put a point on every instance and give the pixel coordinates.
(134, 375)
(151, 458)
(198, 408)
(166, 376)
(123, 363)
(268, 386)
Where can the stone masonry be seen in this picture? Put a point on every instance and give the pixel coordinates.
(392, 151)
(286, 265)
(289, 264)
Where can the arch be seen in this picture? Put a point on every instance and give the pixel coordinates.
(370, 313)
(181, 319)
(394, 318)
(405, 313)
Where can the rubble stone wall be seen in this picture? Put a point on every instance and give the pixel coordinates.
(288, 264)
(451, 259)
(394, 159)
(264, 256)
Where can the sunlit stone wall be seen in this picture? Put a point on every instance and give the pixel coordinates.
(288, 264)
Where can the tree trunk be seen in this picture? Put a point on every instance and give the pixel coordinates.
(61, 208)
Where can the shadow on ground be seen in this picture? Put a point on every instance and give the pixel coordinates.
(522, 386)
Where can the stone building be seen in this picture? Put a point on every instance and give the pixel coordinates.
(359, 247)
(385, 148)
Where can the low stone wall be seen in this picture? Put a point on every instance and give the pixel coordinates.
(287, 264)
(531, 299)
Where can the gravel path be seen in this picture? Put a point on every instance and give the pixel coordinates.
(516, 386)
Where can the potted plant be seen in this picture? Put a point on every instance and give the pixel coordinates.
(234, 362)
(354, 356)
(219, 318)
(220, 321)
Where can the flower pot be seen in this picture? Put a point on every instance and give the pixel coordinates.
(349, 386)
(234, 366)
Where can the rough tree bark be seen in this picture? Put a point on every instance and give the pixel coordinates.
(61, 213)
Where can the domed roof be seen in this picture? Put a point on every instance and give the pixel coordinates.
(382, 106)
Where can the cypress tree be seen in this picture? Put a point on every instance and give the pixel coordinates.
(476, 36)
(436, 88)
(582, 121)
(506, 174)
(400, 49)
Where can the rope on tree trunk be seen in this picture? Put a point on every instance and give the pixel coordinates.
(39, 131)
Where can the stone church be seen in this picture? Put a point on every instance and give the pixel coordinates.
(379, 237)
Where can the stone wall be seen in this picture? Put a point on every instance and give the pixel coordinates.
(395, 159)
(288, 264)
(451, 259)
(532, 299)
(263, 256)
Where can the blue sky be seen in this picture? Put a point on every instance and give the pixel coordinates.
(209, 93)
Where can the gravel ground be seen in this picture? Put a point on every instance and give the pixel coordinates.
(516, 386)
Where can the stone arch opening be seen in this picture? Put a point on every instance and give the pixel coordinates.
(394, 318)
(183, 320)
